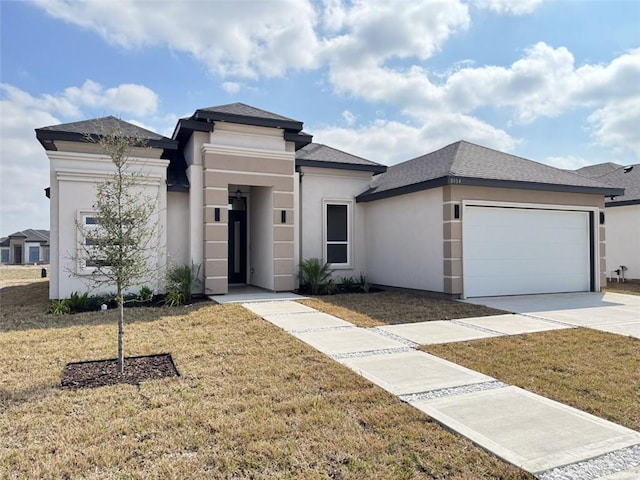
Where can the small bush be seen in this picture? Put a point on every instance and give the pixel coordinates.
(365, 285)
(349, 284)
(59, 307)
(145, 295)
(78, 302)
(184, 279)
(173, 298)
(315, 276)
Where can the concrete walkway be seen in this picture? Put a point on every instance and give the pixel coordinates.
(549, 439)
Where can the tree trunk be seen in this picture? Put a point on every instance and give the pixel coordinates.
(120, 333)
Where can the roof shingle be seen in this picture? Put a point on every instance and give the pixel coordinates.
(464, 160)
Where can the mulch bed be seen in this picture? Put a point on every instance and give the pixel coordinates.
(99, 373)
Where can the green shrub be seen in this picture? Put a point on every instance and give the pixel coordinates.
(173, 298)
(59, 307)
(349, 284)
(184, 279)
(145, 295)
(315, 276)
(77, 302)
(365, 285)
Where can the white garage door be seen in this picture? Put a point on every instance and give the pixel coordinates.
(515, 251)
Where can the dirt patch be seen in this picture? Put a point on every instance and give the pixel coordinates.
(99, 373)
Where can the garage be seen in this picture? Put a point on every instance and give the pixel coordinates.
(517, 251)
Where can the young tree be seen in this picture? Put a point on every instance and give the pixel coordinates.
(121, 245)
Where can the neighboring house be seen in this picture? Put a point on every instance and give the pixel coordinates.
(246, 194)
(28, 246)
(622, 215)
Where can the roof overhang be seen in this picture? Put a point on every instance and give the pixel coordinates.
(622, 203)
(483, 182)
(300, 139)
(185, 127)
(213, 116)
(47, 139)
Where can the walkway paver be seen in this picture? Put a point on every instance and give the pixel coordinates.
(411, 372)
(528, 430)
(338, 342)
(440, 331)
(305, 321)
(512, 324)
(551, 440)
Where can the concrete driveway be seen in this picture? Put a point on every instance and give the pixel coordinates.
(609, 312)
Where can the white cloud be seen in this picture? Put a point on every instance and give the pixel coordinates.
(569, 162)
(231, 87)
(125, 98)
(349, 117)
(248, 38)
(617, 126)
(391, 142)
(515, 7)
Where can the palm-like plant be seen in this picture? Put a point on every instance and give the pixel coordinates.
(315, 275)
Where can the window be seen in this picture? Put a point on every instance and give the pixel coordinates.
(88, 239)
(337, 233)
(34, 254)
(4, 255)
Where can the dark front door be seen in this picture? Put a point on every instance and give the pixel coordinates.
(17, 254)
(237, 246)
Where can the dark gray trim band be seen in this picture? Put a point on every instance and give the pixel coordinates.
(247, 120)
(622, 203)
(341, 166)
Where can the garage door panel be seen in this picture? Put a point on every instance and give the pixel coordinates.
(511, 251)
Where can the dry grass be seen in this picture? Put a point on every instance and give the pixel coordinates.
(253, 402)
(394, 306)
(590, 370)
(631, 287)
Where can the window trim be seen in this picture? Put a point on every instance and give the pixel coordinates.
(349, 204)
(82, 247)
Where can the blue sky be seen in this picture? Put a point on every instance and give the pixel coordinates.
(554, 81)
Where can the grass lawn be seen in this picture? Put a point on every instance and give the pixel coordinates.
(394, 306)
(630, 287)
(252, 402)
(590, 370)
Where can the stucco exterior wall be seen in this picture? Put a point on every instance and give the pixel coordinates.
(404, 241)
(622, 225)
(261, 238)
(320, 185)
(178, 241)
(249, 156)
(73, 190)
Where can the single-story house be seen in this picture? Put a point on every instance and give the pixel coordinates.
(27, 246)
(246, 194)
(622, 222)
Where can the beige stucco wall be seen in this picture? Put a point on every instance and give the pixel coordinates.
(622, 225)
(252, 157)
(319, 186)
(178, 241)
(73, 177)
(404, 241)
(452, 228)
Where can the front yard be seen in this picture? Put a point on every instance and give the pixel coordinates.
(252, 402)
